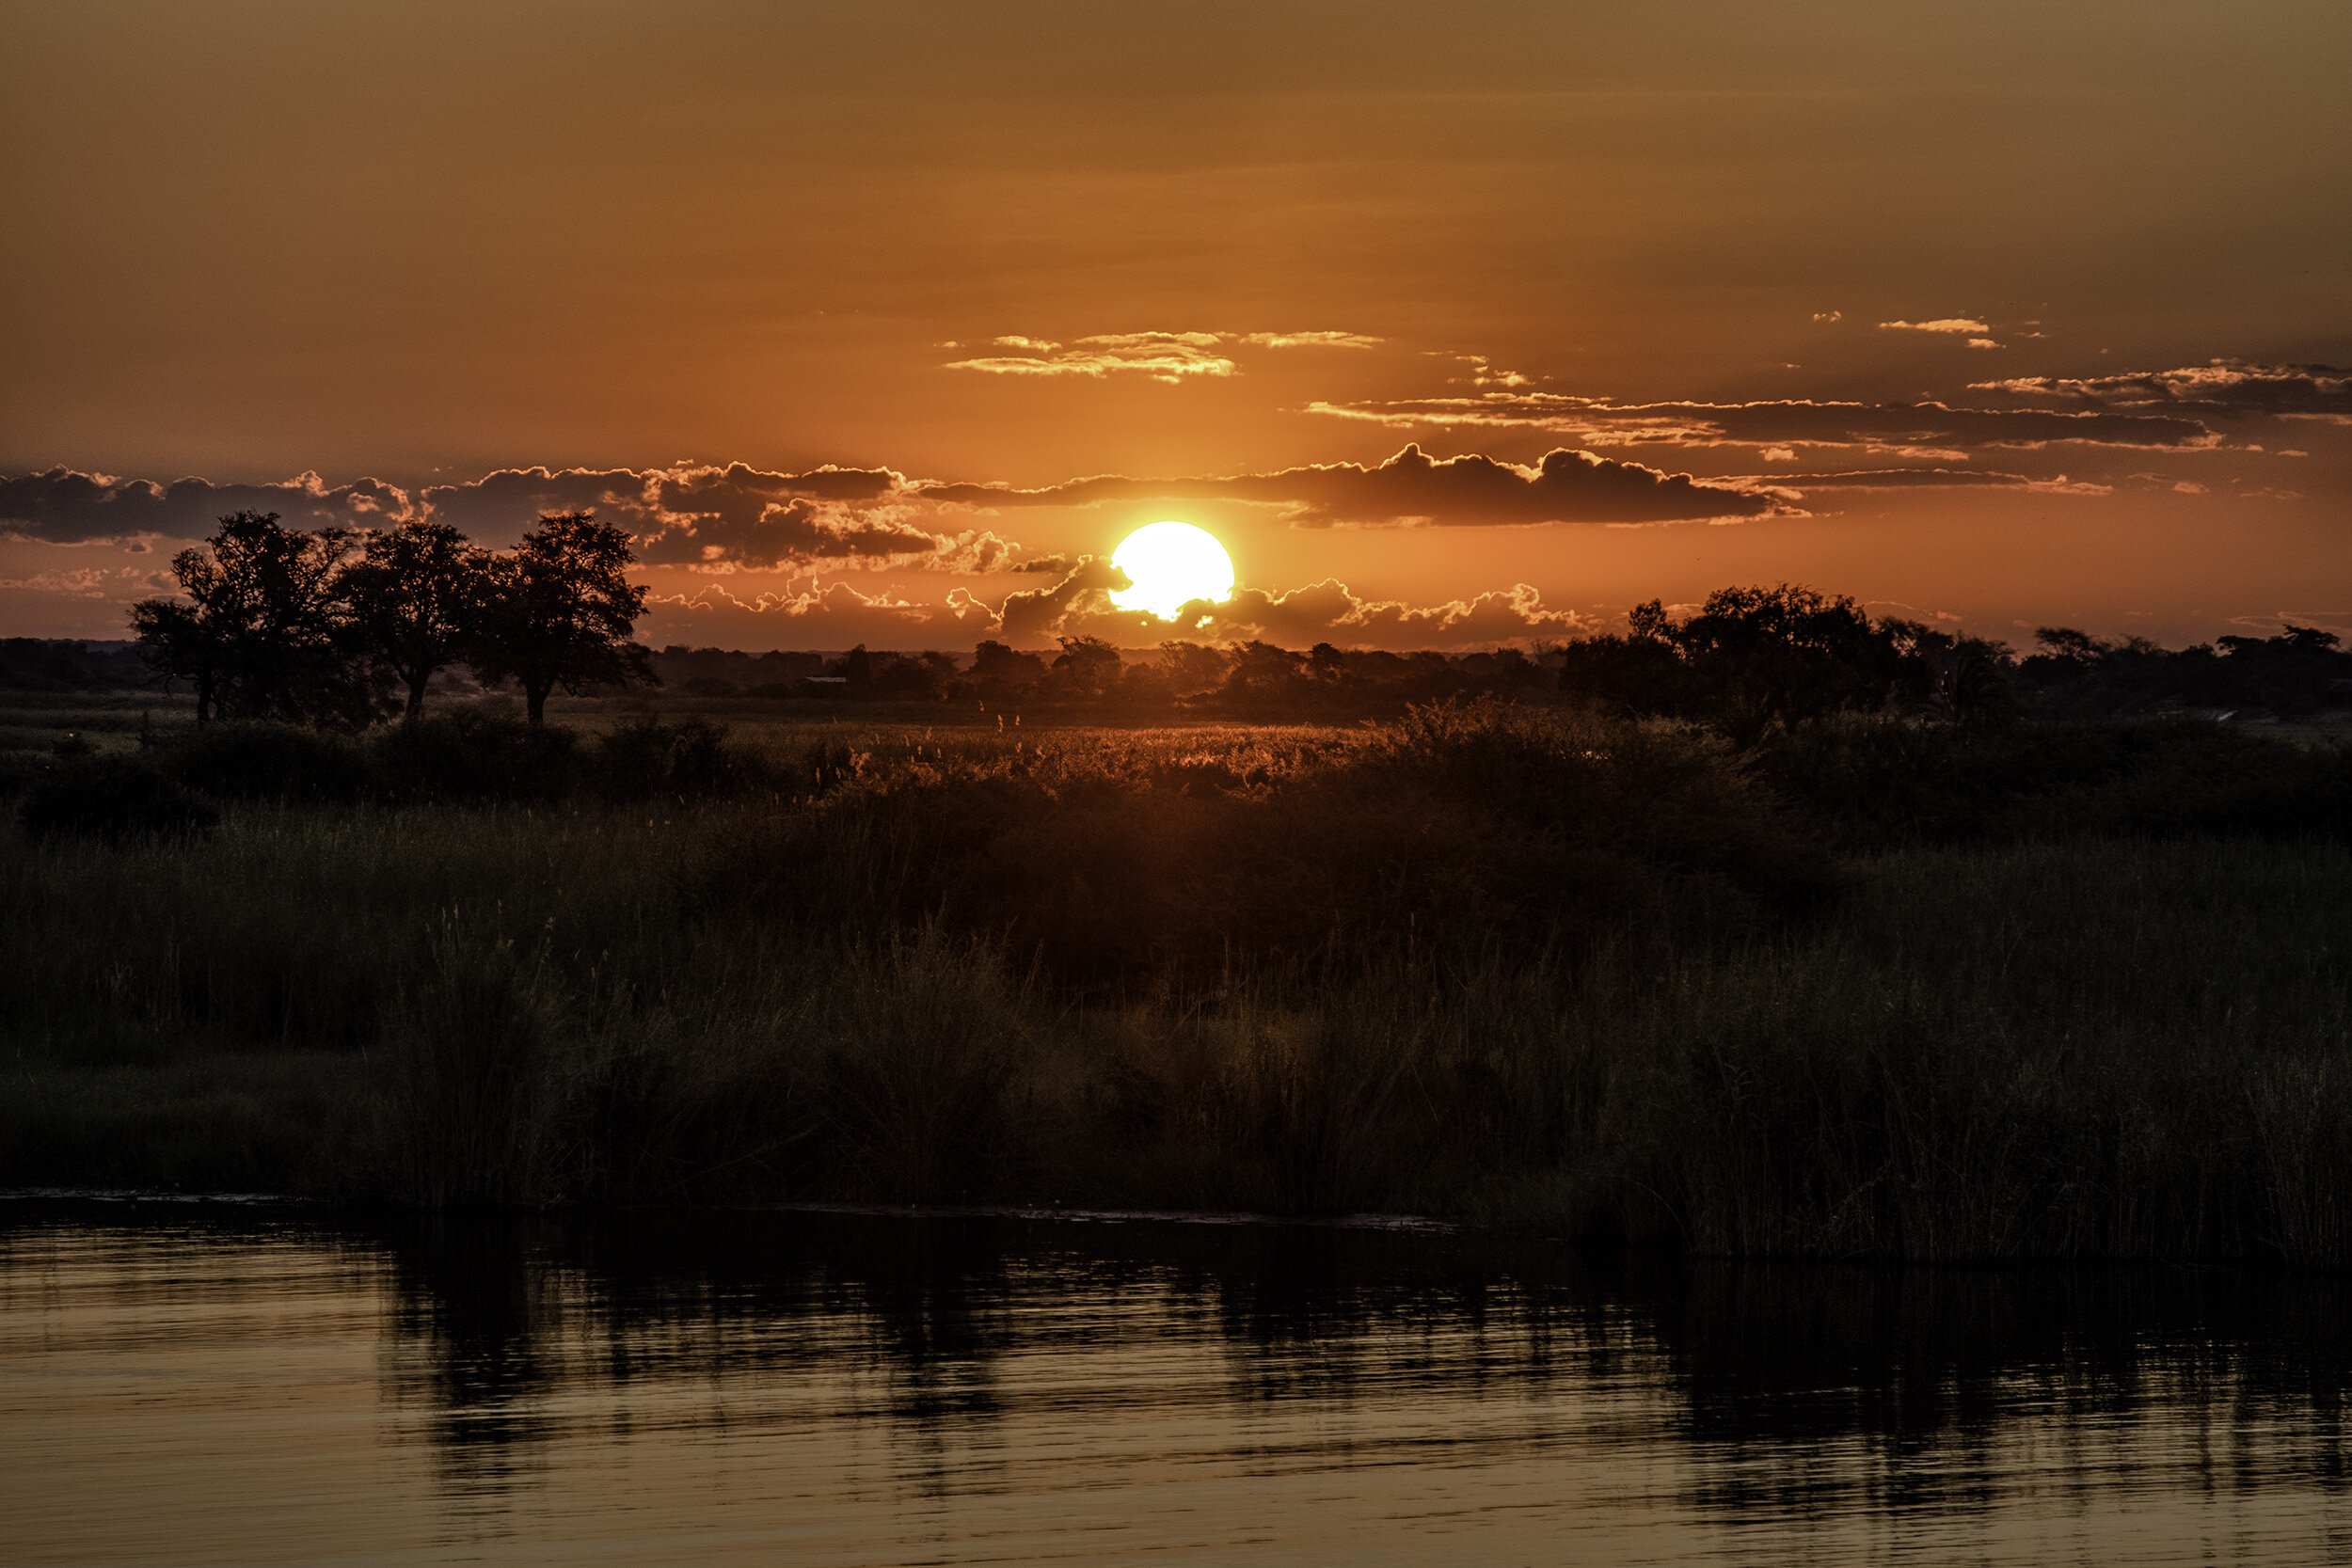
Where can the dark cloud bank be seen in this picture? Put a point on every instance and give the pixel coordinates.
(1468, 491)
(740, 517)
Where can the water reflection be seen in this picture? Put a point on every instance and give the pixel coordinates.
(876, 1388)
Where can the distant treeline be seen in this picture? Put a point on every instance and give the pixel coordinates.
(342, 630)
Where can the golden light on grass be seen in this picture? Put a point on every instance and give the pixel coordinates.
(1172, 564)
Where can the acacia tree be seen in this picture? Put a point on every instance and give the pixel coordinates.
(557, 612)
(262, 637)
(412, 597)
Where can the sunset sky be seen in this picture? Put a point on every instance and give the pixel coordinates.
(1459, 323)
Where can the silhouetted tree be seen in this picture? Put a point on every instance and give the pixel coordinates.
(557, 612)
(1641, 674)
(261, 636)
(411, 598)
(856, 667)
(1749, 657)
(1087, 666)
(1193, 666)
(1263, 670)
(181, 642)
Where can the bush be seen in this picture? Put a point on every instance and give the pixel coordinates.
(469, 754)
(1458, 832)
(112, 798)
(261, 761)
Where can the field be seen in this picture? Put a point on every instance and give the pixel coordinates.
(1513, 966)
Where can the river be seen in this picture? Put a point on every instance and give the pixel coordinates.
(212, 1383)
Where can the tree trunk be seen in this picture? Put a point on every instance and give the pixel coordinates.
(535, 700)
(416, 692)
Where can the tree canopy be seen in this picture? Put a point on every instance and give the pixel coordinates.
(557, 610)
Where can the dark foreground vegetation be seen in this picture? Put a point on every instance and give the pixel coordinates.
(1859, 985)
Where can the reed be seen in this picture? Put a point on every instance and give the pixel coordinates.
(1526, 971)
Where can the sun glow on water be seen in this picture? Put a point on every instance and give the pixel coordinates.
(1172, 564)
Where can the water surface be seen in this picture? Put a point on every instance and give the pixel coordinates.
(197, 1384)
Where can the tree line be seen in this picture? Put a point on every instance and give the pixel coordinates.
(341, 627)
(1752, 658)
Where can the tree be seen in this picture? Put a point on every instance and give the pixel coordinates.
(1191, 667)
(1087, 665)
(1760, 655)
(1261, 669)
(410, 598)
(180, 642)
(262, 636)
(557, 612)
(1750, 657)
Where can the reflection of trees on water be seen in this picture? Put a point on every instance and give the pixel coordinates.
(1787, 1390)
(1825, 1389)
(469, 1349)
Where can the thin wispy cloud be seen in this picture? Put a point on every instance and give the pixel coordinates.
(1954, 324)
(1311, 339)
(1917, 429)
(1170, 357)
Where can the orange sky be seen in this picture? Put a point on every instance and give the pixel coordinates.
(2105, 245)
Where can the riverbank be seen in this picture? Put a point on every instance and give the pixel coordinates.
(1591, 982)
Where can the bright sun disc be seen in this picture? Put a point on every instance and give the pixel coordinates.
(1172, 564)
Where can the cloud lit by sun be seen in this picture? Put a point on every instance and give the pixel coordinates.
(1172, 564)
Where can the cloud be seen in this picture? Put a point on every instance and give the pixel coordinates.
(1941, 323)
(711, 518)
(64, 507)
(95, 582)
(500, 504)
(1923, 429)
(1312, 340)
(725, 519)
(784, 533)
(832, 616)
(1325, 611)
(1468, 491)
(1895, 478)
(1922, 479)
(2222, 387)
(1825, 316)
(1170, 357)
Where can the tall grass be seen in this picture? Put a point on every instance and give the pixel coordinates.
(1539, 973)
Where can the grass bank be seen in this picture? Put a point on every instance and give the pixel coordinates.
(1522, 968)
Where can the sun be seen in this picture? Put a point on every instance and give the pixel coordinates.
(1172, 564)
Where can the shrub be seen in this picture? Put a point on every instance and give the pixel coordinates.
(261, 761)
(1461, 830)
(112, 798)
(475, 753)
